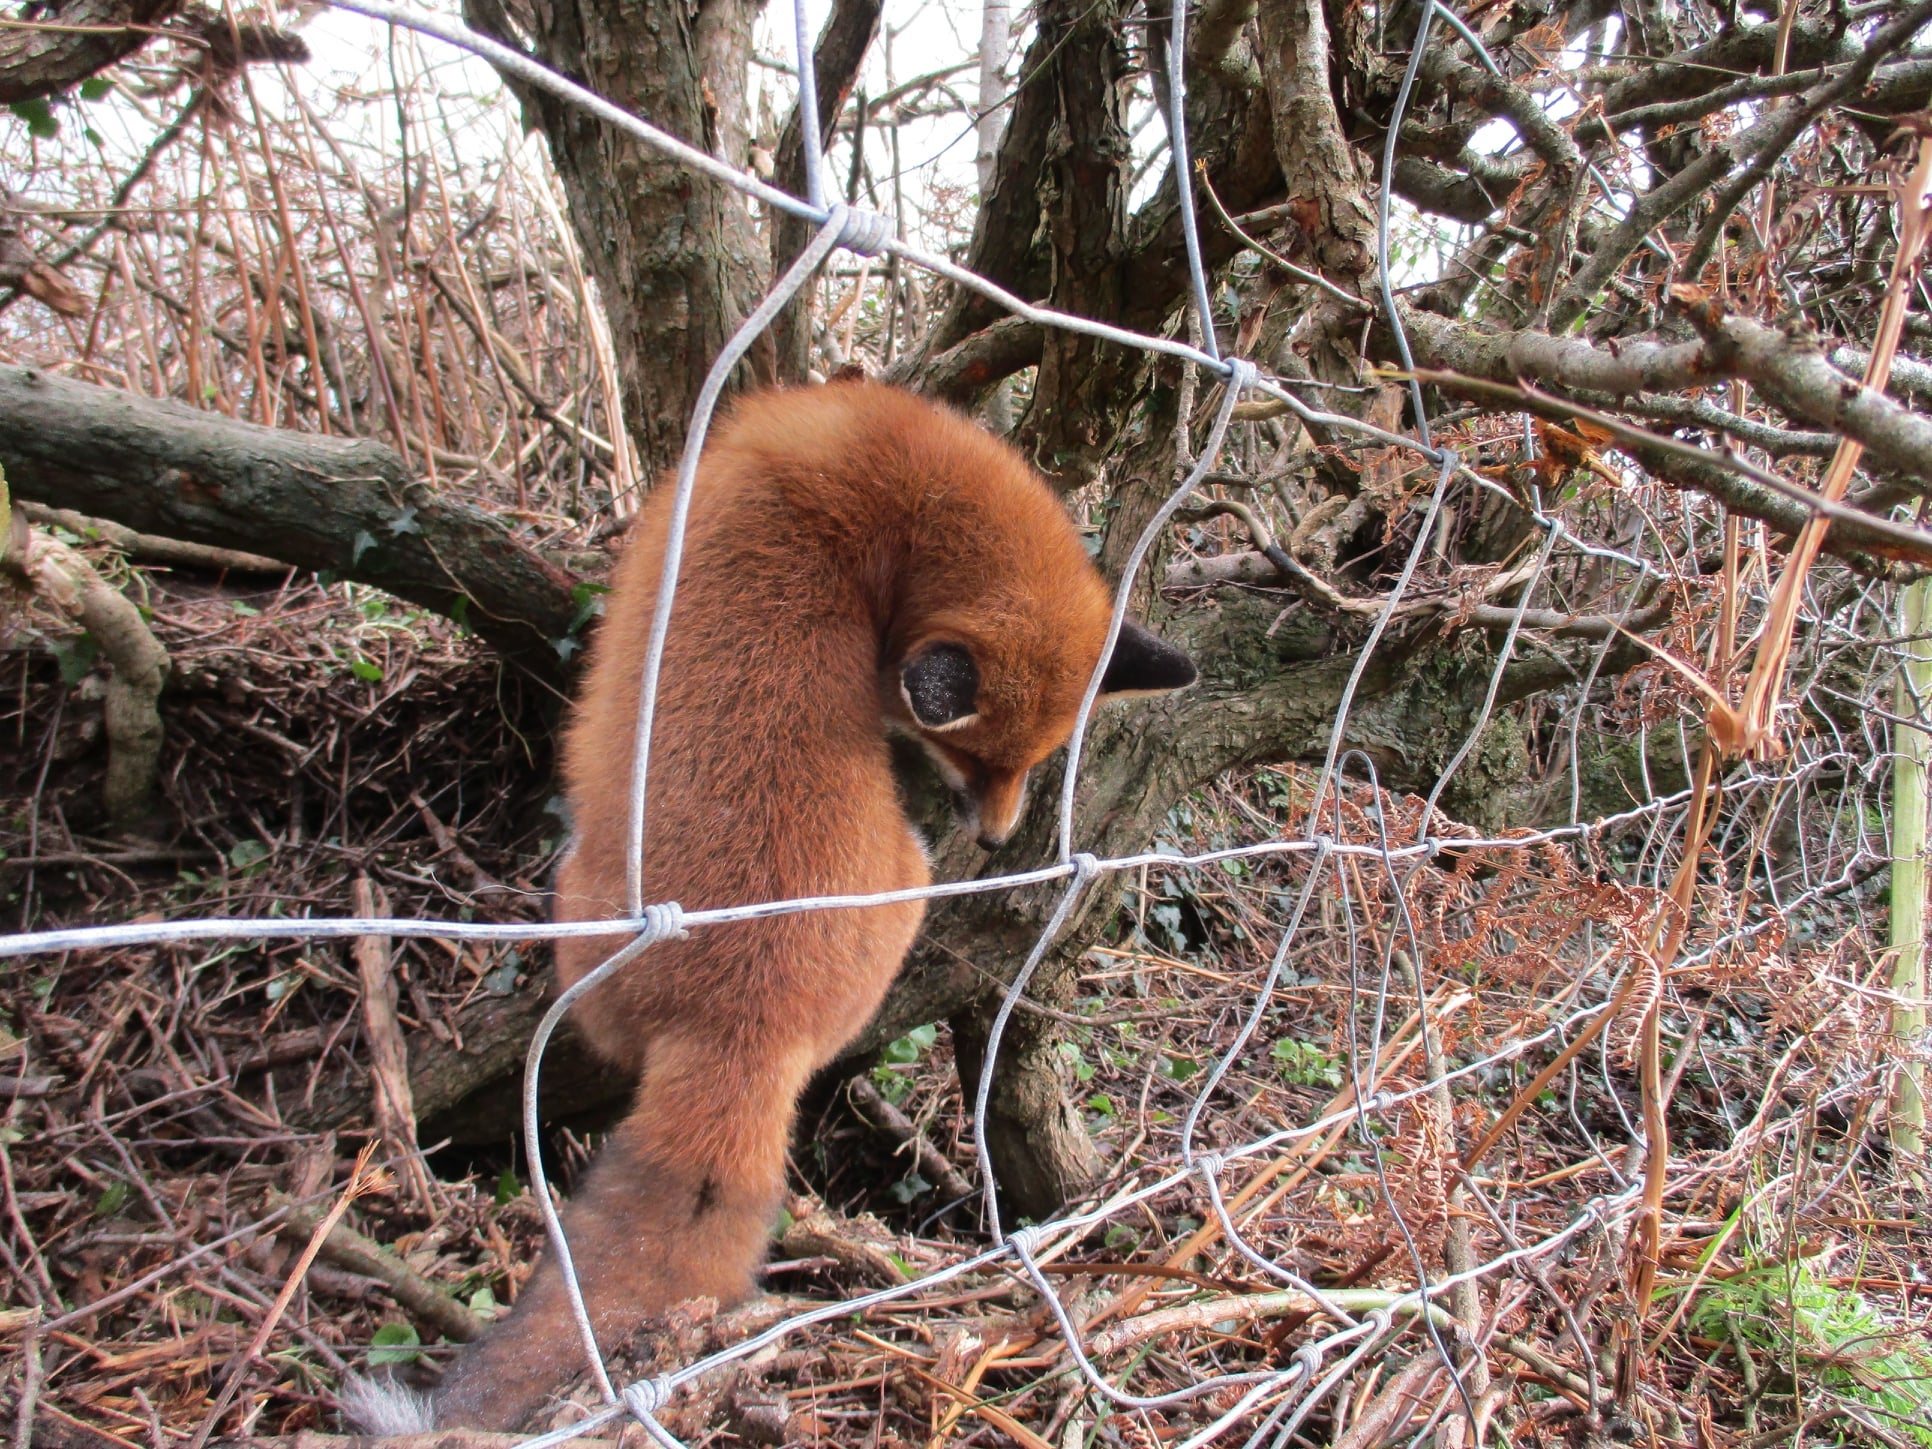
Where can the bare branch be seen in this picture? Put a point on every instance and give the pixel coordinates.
(1768, 138)
(1493, 96)
(1788, 368)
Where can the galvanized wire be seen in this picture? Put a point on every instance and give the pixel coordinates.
(323, 928)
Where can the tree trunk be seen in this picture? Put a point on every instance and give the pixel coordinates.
(1082, 385)
(675, 257)
(1043, 1158)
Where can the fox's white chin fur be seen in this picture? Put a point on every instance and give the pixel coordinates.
(385, 1408)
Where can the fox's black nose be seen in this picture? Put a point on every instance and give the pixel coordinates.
(990, 842)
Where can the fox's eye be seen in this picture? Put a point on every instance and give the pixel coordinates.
(939, 683)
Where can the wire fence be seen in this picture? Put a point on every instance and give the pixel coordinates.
(1355, 844)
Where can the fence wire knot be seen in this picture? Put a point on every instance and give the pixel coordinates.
(1025, 1241)
(663, 922)
(1209, 1164)
(644, 1398)
(1086, 865)
(861, 231)
(1241, 374)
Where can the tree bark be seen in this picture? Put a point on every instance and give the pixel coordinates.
(139, 670)
(1317, 162)
(1082, 194)
(1035, 1136)
(73, 41)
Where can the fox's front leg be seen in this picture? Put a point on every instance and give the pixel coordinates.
(678, 1204)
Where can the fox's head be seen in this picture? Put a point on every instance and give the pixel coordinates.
(996, 616)
(987, 713)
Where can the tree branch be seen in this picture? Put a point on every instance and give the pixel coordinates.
(347, 505)
(1770, 137)
(1436, 188)
(1316, 161)
(73, 42)
(1788, 370)
(1797, 118)
(1791, 372)
(1633, 367)
(965, 372)
(1493, 96)
(1864, 549)
(1859, 538)
(1815, 40)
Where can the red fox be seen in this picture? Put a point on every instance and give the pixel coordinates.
(858, 560)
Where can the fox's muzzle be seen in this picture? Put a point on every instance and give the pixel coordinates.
(1000, 803)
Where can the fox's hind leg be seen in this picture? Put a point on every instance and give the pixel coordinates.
(679, 1203)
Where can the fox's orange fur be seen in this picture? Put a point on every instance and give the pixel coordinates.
(850, 548)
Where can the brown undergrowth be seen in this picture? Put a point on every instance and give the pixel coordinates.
(179, 1118)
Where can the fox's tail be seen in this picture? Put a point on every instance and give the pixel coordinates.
(679, 1204)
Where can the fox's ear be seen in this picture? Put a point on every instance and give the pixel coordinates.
(939, 684)
(1145, 663)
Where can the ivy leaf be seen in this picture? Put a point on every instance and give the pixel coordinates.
(115, 1194)
(589, 600)
(394, 1343)
(892, 1086)
(39, 117)
(364, 542)
(909, 1188)
(405, 521)
(96, 88)
(501, 980)
(246, 854)
(910, 1047)
(75, 657)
